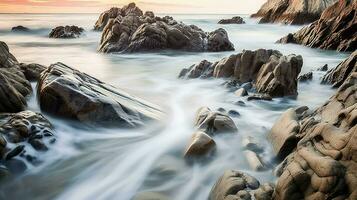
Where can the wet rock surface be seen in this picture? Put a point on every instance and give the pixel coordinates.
(233, 20)
(322, 164)
(271, 72)
(338, 75)
(14, 88)
(305, 77)
(71, 94)
(128, 30)
(334, 30)
(23, 136)
(20, 29)
(32, 71)
(66, 32)
(200, 145)
(292, 11)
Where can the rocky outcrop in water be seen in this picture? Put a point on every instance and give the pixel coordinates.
(200, 145)
(339, 74)
(22, 136)
(32, 71)
(20, 29)
(238, 185)
(292, 11)
(305, 77)
(69, 93)
(270, 71)
(14, 88)
(233, 20)
(335, 30)
(128, 30)
(66, 32)
(322, 164)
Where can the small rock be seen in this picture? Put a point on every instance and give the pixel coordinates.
(20, 29)
(305, 77)
(323, 68)
(240, 103)
(201, 144)
(247, 86)
(14, 152)
(264, 97)
(254, 161)
(264, 192)
(38, 145)
(244, 195)
(241, 92)
(222, 110)
(66, 32)
(233, 20)
(233, 113)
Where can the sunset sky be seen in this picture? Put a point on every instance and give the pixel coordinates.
(158, 6)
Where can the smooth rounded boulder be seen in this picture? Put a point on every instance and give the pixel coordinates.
(68, 93)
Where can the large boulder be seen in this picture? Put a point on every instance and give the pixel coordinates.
(200, 145)
(32, 71)
(271, 72)
(335, 30)
(338, 75)
(292, 11)
(323, 164)
(24, 135)
(129, 30)
(69, 93)
(233, 185)
(66, 32)
(14, 88)
(233, 20)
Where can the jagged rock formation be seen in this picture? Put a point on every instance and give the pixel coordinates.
(271, 72)
(292, 11)
(66, 32)
(69, 93)
(14, 88)
(233, 20)
(322, 164)
(339, 74)
(335, 30)
(18, 131)
(128, 30)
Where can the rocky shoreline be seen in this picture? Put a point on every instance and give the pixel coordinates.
(314, 149)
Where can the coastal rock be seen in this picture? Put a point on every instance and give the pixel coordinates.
(129, 31)
(283, 134)
(335, 29)
(233, 20)
(20, 29)
(254, 160)
(241, 92)
(69, 93)
(21, 130)
(271, 72)
(264, 97)
(32, 71)
(323, 68)
(214, 122)
(305, 77)
(231, 183)
(66, 32)
(200, 145)
(322, 165)
(339, 74)
(292, 11)
(264, 192)
(14, 88)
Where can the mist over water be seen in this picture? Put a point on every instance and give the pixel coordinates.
(116, 163)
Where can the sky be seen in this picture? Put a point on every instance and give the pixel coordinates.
(158, 6)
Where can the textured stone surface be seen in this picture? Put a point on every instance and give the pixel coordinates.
(128, 30)
(14, 88)
(335, 30)
(66, 32)
(69, 93)
(201, 144)
(323, 164)
(292, 11)
(271, 72)
(233, 20)
(32, 71)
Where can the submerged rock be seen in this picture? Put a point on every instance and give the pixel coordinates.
(26, 127)
(271, 72)
(66, 32)
(20, 29)
(231, 184)
(128, 30)
(335, 30)
(339, 74)
(233, 20)
(322, 164)
(69, 93)
(292, 11)
(305, 77)
(323, 68)
(14, 88)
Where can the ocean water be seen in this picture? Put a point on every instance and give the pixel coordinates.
(118, 164)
